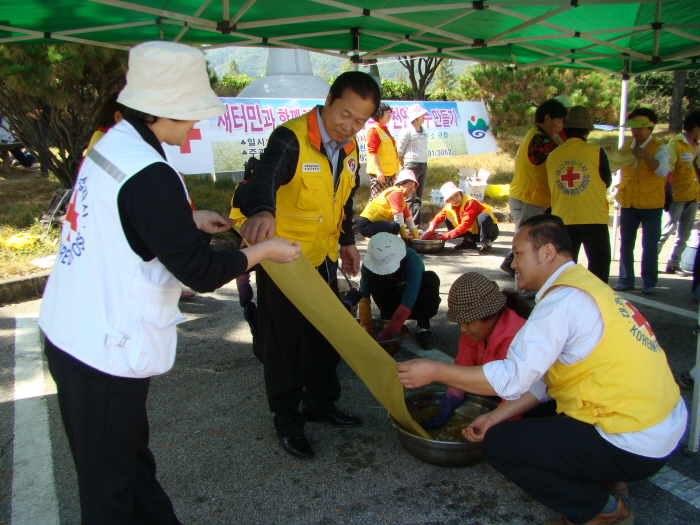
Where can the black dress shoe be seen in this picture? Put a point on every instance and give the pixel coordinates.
(297, 446)
(335, 417)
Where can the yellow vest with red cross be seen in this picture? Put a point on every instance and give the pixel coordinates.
(454, 216)
(308, 208)
(379, 209)
(640, 187)
(578, 192)
(529, 181)
(625, 383)
(386, 154)
(685, 182)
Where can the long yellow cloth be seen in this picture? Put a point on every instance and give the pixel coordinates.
(619, 158)
(305, 288)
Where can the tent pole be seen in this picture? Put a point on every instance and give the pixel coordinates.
(694, 431)
(616, 179)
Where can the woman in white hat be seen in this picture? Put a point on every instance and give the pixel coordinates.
(412, 147)
(382, 160)
(388, 211)
(110, 311)
(466, 218)
(395, 277)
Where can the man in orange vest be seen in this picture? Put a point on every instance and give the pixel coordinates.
(640, 194)
(303, 189)
(593, 353)
(529, 191)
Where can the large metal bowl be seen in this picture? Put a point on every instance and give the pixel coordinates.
(444, 453)
(427, 246)
(391, 346)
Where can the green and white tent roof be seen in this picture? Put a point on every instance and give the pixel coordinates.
(623, 37)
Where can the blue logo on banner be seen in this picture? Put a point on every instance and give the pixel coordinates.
(478, 129)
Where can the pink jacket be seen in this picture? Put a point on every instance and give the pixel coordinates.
(495, 347)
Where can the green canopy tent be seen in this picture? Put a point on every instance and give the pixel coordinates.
(622, 37)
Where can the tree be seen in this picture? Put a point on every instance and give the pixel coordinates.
(50, 95)
(420, 73)
(232, 69)
(655, 90)
(675, 109)
(444, 82)
(513, 96)
(396, 91)
(231, 86)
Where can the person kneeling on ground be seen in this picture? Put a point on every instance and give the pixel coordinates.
(488, 321)
(388, 211)
(396, 279)
(464, 217)
(585, 347)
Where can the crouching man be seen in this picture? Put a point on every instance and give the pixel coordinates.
(591, 351)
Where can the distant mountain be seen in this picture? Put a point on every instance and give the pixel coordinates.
(253, 61)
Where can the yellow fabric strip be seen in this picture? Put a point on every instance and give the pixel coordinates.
(619, 158)
(303, 285)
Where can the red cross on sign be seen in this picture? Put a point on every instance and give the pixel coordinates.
(570, 177)
(194, 134)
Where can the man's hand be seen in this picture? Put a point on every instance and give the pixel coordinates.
(416, 372)
(350, 259)
(211, 222)
(281, 250)
(259, 227)
(477, 430)
(647, 157)
(381, 178)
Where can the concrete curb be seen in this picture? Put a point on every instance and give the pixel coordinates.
(23, 288)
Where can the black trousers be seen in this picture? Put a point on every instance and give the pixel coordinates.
(596, 243)
(559, 460)
(299, 363)
(370, 229)
(488, 230)
(107, 426)
(420, 170)
(387, 297)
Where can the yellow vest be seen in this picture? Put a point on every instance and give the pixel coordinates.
(578, 192)
(685, 182)
(625, 383)
(386, 153)
(379, 209)
(453, 215)
(236, 214)
(530, 182)
(640, 187)
(308, 209)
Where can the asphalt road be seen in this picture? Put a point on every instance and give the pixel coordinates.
(219, 459)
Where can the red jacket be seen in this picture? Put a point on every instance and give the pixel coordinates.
(493, 348)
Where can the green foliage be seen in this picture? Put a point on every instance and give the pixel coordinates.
(513, 96)
(231, 86)
(396, 91)
(654, 91)
(445, 79)
(232, 69)
(50, 95)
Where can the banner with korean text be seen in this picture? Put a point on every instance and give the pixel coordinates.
(225, 143)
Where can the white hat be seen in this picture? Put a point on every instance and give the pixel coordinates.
(384, 253)
(169, 80)
(405, 175)
(565, 101)
(414, 111)
(448, 189)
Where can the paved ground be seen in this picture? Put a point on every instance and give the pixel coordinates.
(219, 460)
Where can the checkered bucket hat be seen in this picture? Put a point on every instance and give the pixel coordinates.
(473, 296)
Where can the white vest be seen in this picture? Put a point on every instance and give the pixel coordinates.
(103, 304)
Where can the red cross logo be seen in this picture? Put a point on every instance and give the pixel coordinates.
(72, 217)
(570, 177)
(194, 134)
(639, 319)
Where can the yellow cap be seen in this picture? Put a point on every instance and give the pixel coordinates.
(639, 121)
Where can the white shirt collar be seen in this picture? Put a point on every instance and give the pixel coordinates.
(548, 283)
